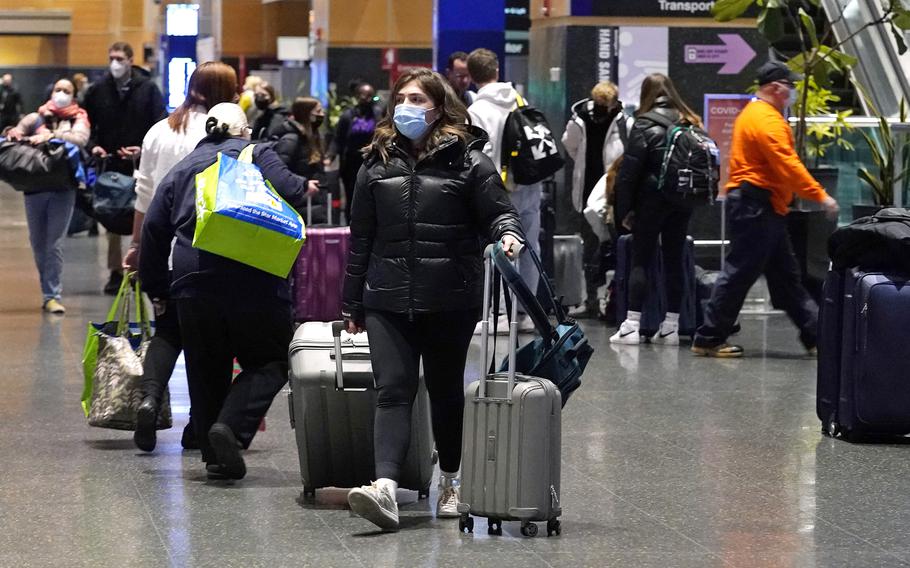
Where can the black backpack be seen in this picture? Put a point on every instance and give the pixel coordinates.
(691, 164)
(529, 151)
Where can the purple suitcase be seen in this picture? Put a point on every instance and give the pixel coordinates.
(318, 274)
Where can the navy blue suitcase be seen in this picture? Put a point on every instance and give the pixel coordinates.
(654, 307)
(830, 340)
(874, 380)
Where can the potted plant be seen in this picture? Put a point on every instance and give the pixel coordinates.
(822, 136)
(887, 153)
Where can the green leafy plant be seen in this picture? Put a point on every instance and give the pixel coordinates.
(886, 151)
(823, 135)
(337, 105)
(820, 56)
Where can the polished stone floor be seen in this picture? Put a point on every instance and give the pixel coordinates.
(668, 461)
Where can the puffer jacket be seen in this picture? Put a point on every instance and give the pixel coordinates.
(294, 149)
(642, 160)
(418, 228)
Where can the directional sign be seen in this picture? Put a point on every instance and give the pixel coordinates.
(734, 53)
(389, 58)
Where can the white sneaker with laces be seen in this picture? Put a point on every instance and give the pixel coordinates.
(628, 334)
(447, 504)
(376, 504)
(668, 334)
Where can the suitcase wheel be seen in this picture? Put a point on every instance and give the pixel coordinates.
(466, 523)
(309, 493)
(831, 429)
(423, 493)
(554, 527)
(494, 527)
(529, 529)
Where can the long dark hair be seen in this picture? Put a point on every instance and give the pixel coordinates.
(659, 85)
(451, 122)
(302, 111)
(211, 83)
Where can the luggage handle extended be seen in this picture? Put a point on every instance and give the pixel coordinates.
(309, 210)
(489, 274)
(337, 328)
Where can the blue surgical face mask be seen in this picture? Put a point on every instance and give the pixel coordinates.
(792, 97)
(411, 121)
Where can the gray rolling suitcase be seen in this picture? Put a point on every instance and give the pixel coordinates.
(332, 404)
(569, 265)
(512, 445)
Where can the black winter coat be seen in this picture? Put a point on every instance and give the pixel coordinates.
(197, 273)
(292, 146)
(642, 161)
(123, 118)
(294, 149)
(267, 122)
(418, 228)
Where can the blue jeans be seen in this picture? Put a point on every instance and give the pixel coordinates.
(48, 214)
(526, 200)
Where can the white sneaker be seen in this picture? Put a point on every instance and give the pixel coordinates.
(628, 333)
(502, 324)
(375, 504)
(666, 335)
(447, 504)
(526, 324)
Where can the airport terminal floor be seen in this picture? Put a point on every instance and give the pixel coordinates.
(668, 460)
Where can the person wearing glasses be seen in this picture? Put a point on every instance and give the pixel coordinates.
(765, 173)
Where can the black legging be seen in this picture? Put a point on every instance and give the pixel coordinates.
(656, 217)
(397, 346)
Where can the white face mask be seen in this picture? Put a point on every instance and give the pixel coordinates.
(118, 69)
(61, 99)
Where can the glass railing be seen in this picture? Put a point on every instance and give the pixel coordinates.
(848, 188)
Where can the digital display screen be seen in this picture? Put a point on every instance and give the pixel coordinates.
(182, 20)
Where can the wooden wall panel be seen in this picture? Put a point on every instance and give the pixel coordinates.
(33, 50)
(284, 18)
(241, 28)
(380, 23)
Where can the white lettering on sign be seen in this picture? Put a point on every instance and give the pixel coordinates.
(690, 7)
(605, 54)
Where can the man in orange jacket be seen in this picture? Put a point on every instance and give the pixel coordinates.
(765, 173)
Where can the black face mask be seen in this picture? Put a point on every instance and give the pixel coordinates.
(602, 114)
(317, 121)
(262, 103)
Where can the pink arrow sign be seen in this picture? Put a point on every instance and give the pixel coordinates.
(735, 54)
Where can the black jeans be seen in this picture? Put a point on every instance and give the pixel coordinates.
(215, 331)
(658, 218)
(397, 346)
(162, 354)
(759, 245)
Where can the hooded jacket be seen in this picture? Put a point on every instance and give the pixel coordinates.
(417, 227)
(122, 118)
(643, 159)
(294, 149)
(575, 139)
(489, 111)
(172, 217)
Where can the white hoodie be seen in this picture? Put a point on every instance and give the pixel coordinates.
(489, 111)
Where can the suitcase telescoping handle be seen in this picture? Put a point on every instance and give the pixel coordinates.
(309, 210)
(360, 377)
(490, 273)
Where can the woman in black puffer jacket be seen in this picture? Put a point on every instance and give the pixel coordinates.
(299, 145)
(423, 200)
(650, 214)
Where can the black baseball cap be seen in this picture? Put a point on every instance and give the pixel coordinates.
(776, 71)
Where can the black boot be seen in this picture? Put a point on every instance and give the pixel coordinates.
(229, 462)
(145, 436)
(113, 285)
(188, 440)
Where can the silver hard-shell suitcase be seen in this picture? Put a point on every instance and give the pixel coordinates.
(332, 404)
(511, 441)
(569, 266)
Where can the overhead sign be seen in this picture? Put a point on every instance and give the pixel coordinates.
(518, 15)
(401, 68)
(647, 8)
(179, 46)
(734, 53)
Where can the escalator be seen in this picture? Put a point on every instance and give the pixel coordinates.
(882, 71)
